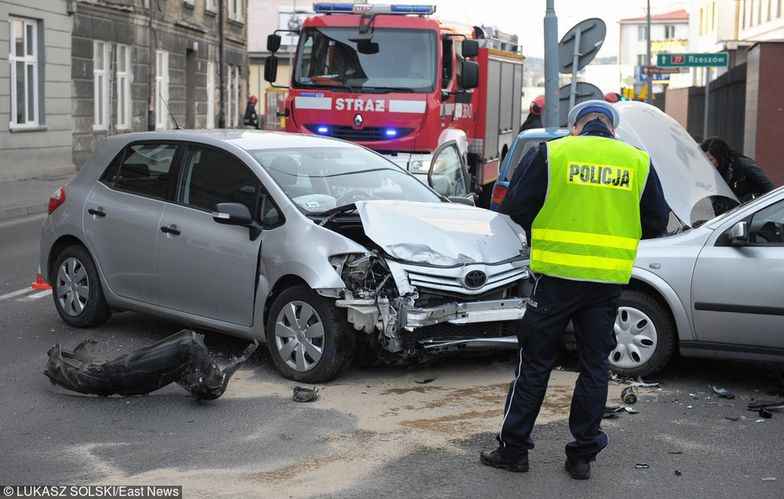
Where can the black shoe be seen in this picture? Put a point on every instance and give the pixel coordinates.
(580, 469)
(498, 459)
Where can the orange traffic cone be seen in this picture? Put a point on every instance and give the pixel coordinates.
(40, 283)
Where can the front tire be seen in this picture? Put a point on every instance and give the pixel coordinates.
(308, 337)
(78, 294)
(645, 333)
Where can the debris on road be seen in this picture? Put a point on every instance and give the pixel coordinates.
(723, 392)
(765, 413)
(732, 418)
(629, 395)
(645, 384)
(678, 473)
(675, 452)
(768, 404)
(769, 479)
(302, 394)
(424, 381)
(181, 358)
(612, 412)
(642, 466)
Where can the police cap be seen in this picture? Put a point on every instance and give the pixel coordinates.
(594, 106)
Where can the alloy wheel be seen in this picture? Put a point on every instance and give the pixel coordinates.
(72, 287)
(299, 336)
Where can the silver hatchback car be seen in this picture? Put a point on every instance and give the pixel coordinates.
(312, 245)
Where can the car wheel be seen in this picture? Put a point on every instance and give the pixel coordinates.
(78, 294)
(645, 334)
(308, 337)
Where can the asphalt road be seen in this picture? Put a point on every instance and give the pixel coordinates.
(255, 442)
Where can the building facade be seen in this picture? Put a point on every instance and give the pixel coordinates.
(669, 33)
(266, 16)
(35, 89)
(156, 65)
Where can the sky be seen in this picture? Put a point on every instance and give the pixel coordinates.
(526, 17)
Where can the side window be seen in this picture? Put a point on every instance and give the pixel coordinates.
(209, 177)
(447, 176)
(447, 67)
(142, 169)
(767, 224)
(269, 215)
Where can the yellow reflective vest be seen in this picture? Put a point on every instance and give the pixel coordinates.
(589, 226)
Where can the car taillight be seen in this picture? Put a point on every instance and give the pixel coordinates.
(57, 199)
(499, 193)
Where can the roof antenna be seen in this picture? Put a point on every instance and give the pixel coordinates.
(176, 126)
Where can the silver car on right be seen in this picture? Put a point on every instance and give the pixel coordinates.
(714, 286)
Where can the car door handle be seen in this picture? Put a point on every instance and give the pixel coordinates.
(171, 229)
(98, 212)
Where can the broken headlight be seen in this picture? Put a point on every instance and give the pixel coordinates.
(366, 275)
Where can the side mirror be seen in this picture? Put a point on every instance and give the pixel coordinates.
(469, 200)
(739, 234)
(367, 47)
(271, 68)
(470, 48)
(469, 75)
(232, 214)
(273, 42)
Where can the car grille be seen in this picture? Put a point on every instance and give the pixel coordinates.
(367, 134)
(446, 330)
(449, 280)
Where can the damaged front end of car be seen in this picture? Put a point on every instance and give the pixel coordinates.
(460, 285)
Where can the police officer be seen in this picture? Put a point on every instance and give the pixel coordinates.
(585, 201)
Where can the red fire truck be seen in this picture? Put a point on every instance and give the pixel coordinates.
(394, 79)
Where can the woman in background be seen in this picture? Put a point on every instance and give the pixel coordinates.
(745, 178)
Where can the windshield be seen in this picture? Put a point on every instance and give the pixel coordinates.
(395, 59)
(319, 179)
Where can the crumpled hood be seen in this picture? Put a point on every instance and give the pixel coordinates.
(688, 179)
(441, 233)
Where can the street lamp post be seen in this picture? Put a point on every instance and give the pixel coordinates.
(551, 100)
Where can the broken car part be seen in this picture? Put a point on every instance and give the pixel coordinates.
(723, 393)
(181, 358)
(629, 395)
(302, 394)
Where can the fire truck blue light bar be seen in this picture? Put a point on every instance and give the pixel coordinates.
(391, 132)
(322, 129)
(346, 8)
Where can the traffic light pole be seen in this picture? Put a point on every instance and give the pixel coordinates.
(649, 93)
(551, 100)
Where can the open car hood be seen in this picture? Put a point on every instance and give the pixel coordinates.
(689, 180)
(441, 233)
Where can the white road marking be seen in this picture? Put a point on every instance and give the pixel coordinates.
(15, 293)
(39, 295)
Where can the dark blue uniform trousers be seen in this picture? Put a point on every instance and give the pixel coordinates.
(592, 307)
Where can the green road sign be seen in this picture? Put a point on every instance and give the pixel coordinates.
(719, 59)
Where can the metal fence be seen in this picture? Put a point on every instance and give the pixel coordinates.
(727, 113)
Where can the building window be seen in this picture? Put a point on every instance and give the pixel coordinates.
(669, 32)
(101, 58)
(124, 77)
(189, 3)
(642, 60)
(161, 89)
(210, 94)
(212, 6)
(235, 10)
(23, 61)
(234, 96)
(642, 33)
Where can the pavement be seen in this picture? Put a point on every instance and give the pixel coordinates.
(21, 198)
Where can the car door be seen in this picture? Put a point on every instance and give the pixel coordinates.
(122, 214)
(448, 175)
(206, 268)
(737, 288)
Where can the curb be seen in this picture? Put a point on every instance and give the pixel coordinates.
(22, 211)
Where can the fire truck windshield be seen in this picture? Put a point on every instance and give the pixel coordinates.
(404, 60)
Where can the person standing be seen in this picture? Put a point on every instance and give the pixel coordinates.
(534, 119)
(745, 178)
(584, 201)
